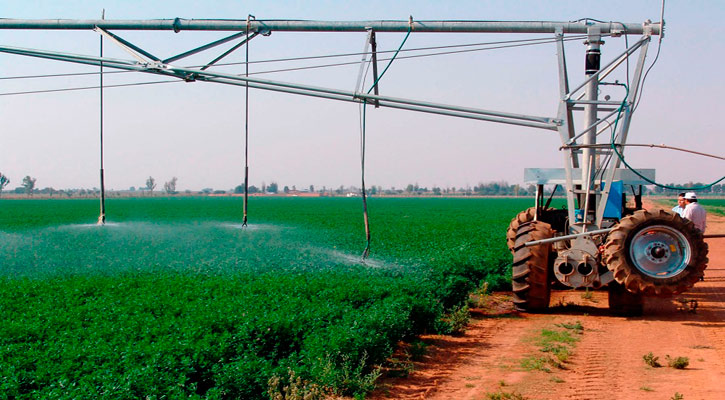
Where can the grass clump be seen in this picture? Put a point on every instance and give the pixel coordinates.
(505, 396)
(677, 396)
(558, 344)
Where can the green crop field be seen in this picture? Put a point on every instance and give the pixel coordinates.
(714, 206)
(172, 298)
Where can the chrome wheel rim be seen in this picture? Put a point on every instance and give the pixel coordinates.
(660, 251)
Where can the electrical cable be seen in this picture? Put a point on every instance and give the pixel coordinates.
(621, 156)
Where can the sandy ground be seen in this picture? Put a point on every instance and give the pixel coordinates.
(607, 361)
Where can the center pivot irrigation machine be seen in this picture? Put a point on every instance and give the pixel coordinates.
(596, 241)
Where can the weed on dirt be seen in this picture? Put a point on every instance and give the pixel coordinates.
(558, 344)
(677, 362)
(651, 360)
(505, 396)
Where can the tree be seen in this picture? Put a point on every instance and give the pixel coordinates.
(29, 184)
(4, 181)
(170, 186)
(150, 184)
(272, 188)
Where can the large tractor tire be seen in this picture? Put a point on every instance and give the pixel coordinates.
(521, 218)
(655, 253)
(531, 276)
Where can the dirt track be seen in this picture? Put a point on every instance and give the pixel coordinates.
(606, 362)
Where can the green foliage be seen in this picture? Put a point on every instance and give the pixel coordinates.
(677, 396)
(172, 299)
(651, 360)
(455, 321)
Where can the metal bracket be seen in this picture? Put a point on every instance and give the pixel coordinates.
(374, 48)
(138, 53)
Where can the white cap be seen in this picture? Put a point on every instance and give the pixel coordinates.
(690, 196)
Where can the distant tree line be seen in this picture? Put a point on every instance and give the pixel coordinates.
(496, 188)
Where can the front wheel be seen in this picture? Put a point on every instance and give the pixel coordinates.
(656, 254)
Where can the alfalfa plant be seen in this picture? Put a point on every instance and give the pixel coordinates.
(651, 360)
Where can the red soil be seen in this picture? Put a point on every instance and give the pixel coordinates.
(607, 361)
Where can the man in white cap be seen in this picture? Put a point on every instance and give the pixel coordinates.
(694, 212)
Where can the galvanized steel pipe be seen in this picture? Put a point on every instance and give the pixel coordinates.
(179, 24)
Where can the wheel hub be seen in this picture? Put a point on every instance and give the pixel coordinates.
(660, 251)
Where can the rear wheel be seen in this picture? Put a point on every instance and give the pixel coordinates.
(656, 254)
(531, 278)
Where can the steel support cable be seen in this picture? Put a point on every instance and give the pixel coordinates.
(535, 41)
(538, 42)
(287, 87)
(87, 88)
(615, 146)
(293, 88)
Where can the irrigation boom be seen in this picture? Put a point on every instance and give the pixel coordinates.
(596, 240)
(180, 24)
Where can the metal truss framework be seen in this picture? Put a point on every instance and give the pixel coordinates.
(580, 149)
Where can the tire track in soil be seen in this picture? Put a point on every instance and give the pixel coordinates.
(590, 367)
(607, 361)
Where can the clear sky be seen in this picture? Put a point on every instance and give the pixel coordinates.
(194, 131)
